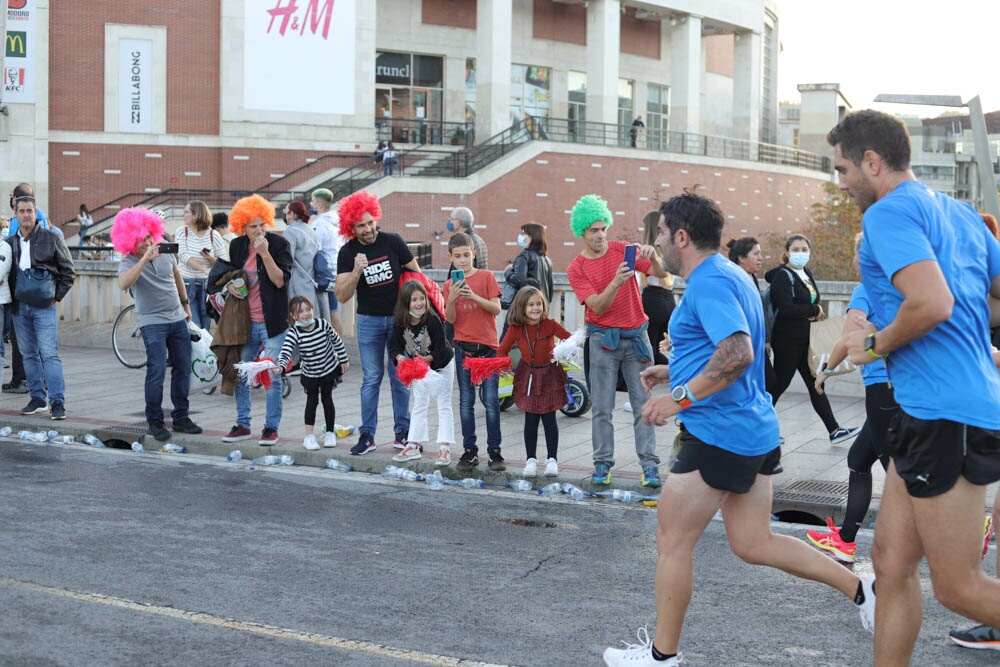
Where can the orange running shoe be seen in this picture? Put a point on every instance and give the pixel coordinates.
(831, 542)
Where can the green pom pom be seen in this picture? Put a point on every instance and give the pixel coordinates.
(588, 210)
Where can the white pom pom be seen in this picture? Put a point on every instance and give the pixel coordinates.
(570, 351)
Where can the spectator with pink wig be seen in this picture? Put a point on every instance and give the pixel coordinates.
(162, 305)
(370, 264)
(267, 259)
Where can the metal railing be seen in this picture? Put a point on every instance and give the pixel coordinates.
(422, 131)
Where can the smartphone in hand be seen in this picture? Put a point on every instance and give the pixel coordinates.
(169, 248)
(457, 276)
(630, 256)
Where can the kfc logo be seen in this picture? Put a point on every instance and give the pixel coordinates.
(15, 77)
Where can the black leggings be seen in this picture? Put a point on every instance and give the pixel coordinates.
(531, 434)
(868, 447)
(316, 389)
(793, 355)
(658, 304)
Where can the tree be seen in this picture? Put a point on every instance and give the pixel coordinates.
(833, 225)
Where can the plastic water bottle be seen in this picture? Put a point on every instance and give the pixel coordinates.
(93, 441)
(471, 483)
(5, 431)
(520, 485)
(574, 492)
(401, 473)
(435, 481)
(41, 436)
(286, 460)
(268, 460)
(334, 464)
(57, 439)
(553, 489)
(136, 447)
(171, 448)
(235, 455)
(624, 496)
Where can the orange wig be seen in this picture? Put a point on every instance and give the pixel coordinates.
(249, 209)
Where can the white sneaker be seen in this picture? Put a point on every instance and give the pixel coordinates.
(638, 655)
(530, 468)
(627, 407)
(411, 452)
(867, 608)
(329, 439)
(551, 468)
(310, 442)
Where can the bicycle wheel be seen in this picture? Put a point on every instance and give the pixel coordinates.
(127, 339)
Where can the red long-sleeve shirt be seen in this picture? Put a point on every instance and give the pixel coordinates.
(524, 337)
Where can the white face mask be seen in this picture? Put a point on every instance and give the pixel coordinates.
(798, 259)
(522, 240)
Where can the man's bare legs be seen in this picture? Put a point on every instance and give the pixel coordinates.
(948, 530)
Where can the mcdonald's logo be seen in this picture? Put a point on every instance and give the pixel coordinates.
(17, 45)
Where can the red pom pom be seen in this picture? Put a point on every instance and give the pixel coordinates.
(409, 370)
(481, 368)
(264, 377)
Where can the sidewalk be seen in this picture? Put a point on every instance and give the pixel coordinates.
(105, 398)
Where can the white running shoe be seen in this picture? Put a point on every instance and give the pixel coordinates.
(310, 442)
(867, 608)
(411, 452)
(638, 655)
(329, 439)
(530, 468)
(551, 468)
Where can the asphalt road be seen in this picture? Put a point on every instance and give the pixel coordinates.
(114, 558)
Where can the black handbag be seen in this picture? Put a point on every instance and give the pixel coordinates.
(35, 287)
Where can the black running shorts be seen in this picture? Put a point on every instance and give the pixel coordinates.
(722, 469)
(930, 454)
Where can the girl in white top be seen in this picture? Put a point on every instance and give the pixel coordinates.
(198, 248)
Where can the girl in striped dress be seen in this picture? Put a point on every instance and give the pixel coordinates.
(322, 361)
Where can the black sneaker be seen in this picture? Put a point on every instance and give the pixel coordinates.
(15, 388)
(469, 460)
(366, 443)
(185, 425)
(159, 431)
(33, 406)
(981, 636)
(57, 411)
(496, 461)
(843, 434)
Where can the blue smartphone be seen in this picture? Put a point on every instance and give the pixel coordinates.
(630, 257)
(457, 275)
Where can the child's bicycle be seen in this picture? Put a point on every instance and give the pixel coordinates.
(577, 395)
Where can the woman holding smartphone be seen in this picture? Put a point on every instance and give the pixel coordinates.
(198, 249)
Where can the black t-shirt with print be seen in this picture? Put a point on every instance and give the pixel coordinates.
(379, 285)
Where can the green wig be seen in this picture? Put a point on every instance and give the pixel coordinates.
(588, 210)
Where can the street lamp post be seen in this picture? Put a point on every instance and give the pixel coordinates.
(984, 160)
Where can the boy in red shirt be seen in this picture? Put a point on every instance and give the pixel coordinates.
(472, 303)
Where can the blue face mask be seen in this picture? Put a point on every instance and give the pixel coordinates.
(798, 259)
(450, 225)
(417, 316)
(522, 240)
(305, 325)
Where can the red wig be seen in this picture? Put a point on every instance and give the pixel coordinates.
(353, 207)
(299, 209)
(249, 209)
(131, 227)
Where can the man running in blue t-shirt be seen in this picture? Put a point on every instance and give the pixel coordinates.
(729, 440)
(932, 270)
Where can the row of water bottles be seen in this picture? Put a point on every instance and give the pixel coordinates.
(553, 489)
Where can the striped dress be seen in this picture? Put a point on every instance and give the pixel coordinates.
(320, 350)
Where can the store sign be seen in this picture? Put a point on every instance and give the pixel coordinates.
(19, 55)
(135, 85)
(307, 46)
(393, 68)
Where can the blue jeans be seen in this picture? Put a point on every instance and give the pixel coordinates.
(373, 348)
(196, 295)
(38, 338)
(331, 298)
(467, 404)
(604, 365)
(167, 342)
(272, 346)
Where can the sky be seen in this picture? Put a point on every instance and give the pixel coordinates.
(891, 46)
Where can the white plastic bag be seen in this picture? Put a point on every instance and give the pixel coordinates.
(204, 363)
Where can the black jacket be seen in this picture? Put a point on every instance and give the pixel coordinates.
(794, 307)
(274, 299)
(528, 270)
(49, 252)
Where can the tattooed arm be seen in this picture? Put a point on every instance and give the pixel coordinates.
(731, 358)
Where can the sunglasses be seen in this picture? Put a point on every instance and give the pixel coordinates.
(23, 198)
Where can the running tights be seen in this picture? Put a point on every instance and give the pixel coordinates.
(867, 448)
(531, 434)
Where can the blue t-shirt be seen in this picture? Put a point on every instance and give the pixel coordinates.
(875, 372)
(719, 301)
(949, 372)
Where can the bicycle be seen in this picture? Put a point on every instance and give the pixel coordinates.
(126, 339)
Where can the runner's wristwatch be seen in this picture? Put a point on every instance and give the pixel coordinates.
(870, 347)
(682, 396)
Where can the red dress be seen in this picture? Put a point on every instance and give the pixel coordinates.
(539, 382)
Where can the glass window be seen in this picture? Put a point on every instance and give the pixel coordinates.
(657, 116)
(577, 109)
(529, 92)
(427, 71)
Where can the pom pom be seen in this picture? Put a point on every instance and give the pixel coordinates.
(481, 368)
(256, 372)
(588, 210)
(409, 370)
(570, 351)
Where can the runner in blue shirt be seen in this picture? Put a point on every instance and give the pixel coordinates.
(931, 269)
(728, 446)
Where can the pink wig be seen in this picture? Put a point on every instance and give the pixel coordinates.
(249, 209)
(131, 227)
(352, 209)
